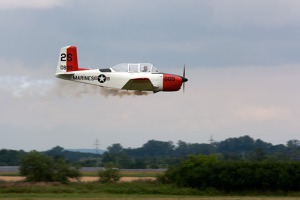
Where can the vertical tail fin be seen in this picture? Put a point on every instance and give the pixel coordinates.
(67, 60)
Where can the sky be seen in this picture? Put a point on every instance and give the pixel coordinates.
(242, 61)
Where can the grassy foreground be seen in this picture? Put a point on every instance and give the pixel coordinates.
(135, 197)
(132, 190)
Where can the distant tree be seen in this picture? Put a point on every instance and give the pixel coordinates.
(115, 148)
(244, 144)
(278, 152)
(261, 144)
(182, 148)
(56, 151)
(153, 148)
(10, 157)
(39, 167)
(158, 148)
(71, 156)
(259, 154)
(293, 143)
(293, 149)
(139, 163)
(90, 163)
(118, 156)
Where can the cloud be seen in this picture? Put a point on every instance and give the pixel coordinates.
(263, 113)
(264, 14)
(199, 32)
(30, 4)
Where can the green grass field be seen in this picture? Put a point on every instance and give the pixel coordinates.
(125, 190)
(134, 197)
(114, 191)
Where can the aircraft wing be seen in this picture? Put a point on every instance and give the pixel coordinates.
(138, 84)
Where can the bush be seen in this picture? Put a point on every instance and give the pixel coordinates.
(39, 167)
(208, 172)
(109, 174)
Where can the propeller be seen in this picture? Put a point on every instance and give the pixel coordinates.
(184, 79)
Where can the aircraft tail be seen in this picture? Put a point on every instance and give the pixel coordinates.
(67, 61)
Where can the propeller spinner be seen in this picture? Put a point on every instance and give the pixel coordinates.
(183, 78)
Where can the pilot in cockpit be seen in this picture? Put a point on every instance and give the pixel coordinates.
(145, 69)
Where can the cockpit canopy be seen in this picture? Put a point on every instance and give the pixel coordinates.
(135, 68)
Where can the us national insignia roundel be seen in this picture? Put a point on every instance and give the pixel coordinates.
(101, 78)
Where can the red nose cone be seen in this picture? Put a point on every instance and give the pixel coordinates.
(171, 82)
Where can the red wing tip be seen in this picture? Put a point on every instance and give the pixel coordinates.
(81, 69)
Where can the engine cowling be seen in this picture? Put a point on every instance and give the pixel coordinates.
(171, 82)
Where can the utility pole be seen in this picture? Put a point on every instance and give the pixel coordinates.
(213, 144)
(97, 145)
(211, 140)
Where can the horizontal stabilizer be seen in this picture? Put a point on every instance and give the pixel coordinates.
(65, 76)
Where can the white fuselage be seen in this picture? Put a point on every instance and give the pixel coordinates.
(114, 79)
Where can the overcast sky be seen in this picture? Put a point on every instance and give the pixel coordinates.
(242, 61)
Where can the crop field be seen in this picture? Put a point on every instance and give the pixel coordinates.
(89, 176)
(127, 173)
(94, 173)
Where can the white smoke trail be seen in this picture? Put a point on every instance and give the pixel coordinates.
(115, 92)
(23, 86)
(20, 86)
(66, 88)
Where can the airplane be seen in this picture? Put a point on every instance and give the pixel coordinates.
(124, 76)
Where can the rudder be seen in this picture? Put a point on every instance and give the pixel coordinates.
(67, 61)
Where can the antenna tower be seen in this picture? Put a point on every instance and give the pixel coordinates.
(211, 140)
(97, 145)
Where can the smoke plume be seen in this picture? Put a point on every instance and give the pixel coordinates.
(65, 88)
(22, 86)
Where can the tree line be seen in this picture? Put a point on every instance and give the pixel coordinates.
(197, 171)
(159, 154)
(233, 165)
(162, 154)
(204, 172)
